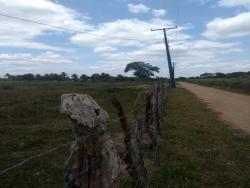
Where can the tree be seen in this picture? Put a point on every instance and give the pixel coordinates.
(95, 76)
(63, 76)
(207, 75)
(220, 75)
(141, 69)
(28, 77)
(84, 77)
(74, 77)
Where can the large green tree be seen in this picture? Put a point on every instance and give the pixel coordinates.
(141, 69)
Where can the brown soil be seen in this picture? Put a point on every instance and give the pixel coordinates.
(233, 107)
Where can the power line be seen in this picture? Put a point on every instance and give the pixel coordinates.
(178, 7)
(65, 29)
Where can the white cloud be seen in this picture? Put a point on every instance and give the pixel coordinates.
(15, 33)
(137, 30)
(26, 59)
(138, 8)
(234, 3)
(104, 49)
(205, 44)
(229, 27)
(159, 12)
(21, 63)
(201, 2)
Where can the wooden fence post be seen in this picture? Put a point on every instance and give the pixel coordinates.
(151, 130)
(133, 156)
(93, 161)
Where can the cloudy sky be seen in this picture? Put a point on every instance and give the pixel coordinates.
(212, 35)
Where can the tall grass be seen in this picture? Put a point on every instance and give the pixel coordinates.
(240, 85)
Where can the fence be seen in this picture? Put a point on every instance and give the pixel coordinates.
(94, 161)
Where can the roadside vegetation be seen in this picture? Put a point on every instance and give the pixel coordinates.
(236, 82)
(198, 149)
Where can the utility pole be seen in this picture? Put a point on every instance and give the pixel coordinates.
(174, 67)
(171, 73)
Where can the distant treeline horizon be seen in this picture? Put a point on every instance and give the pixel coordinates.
(74, 77)
(218, 75)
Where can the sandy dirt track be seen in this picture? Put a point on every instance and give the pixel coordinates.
(233, 107)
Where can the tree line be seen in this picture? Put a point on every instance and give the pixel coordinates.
(219, 75)
(140, 70)
(65, 77)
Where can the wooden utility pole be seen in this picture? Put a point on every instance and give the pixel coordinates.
(171, 73)
(174, 67)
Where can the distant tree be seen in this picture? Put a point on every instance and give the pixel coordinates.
(105, 76)
(74, 77)
(206, 75)
(8, 76)
(95, 76)
(181, 78)
(38, 77)
(84, 77)
(220, 75)
(28, 77)
(64, 76)
(236, 74)
(141, 69)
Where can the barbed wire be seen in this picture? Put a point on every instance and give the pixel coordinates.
(27, 160)
(24, 161)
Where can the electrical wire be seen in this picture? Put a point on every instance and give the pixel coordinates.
(65, 29)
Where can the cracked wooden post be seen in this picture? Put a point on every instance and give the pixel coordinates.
(163, 95)
(156, 121)
(155, 101)
(93, 161)
(139, 127)
(132, 155)
(151, 131)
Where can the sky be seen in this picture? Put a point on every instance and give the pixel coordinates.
(212, 36)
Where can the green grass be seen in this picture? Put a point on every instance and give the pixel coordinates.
(240, 85)
(198, 149)
(30, 123)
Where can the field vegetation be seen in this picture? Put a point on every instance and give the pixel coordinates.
(197, 149)
(236, 82)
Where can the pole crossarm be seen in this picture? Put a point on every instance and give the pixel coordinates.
(166, 28)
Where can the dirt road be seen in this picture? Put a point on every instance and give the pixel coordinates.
(234, 108)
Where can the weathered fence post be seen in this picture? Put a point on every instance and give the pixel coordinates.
(151, 130)
(155, 103)
(139, 127)
(93, 162)
(133, 156)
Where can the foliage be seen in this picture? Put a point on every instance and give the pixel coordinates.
(141, 69)
(74, 77)
(223, 75)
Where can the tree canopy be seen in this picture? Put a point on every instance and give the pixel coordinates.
(141, 69)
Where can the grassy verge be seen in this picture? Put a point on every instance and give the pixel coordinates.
(199, 150)
(239, 85)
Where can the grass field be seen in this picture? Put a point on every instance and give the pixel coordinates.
(197, 149)
(240, 85)
(30, 123)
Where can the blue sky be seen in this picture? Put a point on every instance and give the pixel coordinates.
(212, 35)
